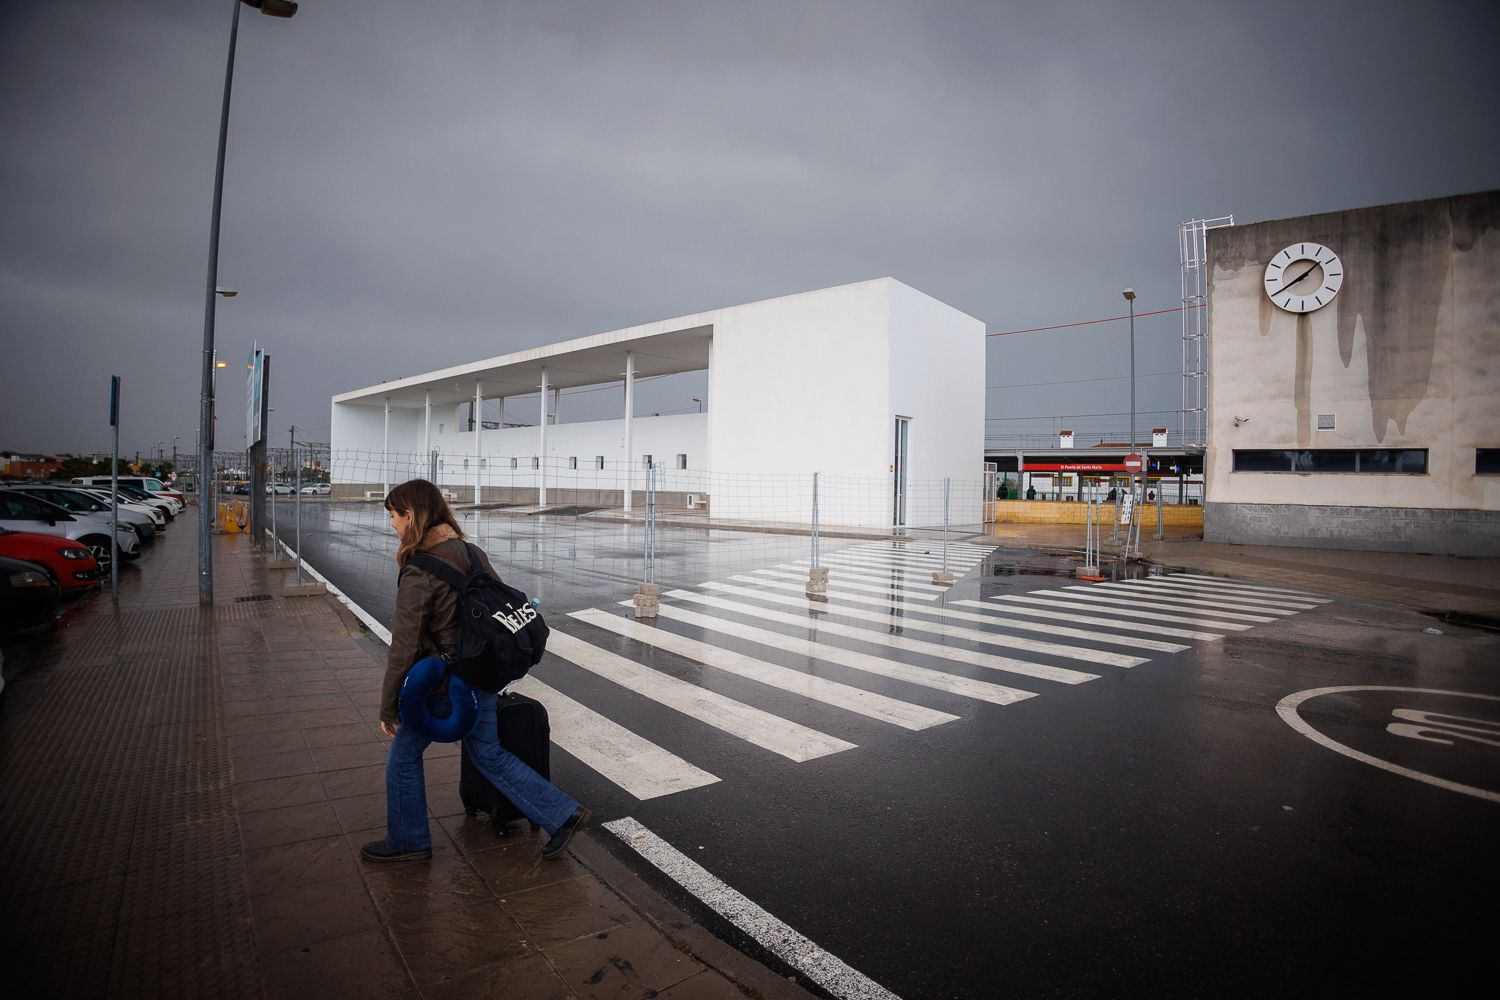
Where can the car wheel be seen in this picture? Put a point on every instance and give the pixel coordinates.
(100, 547)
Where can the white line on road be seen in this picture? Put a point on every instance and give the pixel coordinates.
(1089, 594)
(987, 660)
(995, 694)
(1063, 599)
(902, 580)
(775, 936)
(1245, 585)
(968, 616)
(634, 763)
(1190, 589)
(1130, 626)
(894, 619)
(1179, 602)
(849, 582)
(845, 696)
(782, 736)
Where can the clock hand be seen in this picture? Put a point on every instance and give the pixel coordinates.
(1298, 278)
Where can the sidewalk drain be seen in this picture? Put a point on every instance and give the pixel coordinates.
(252, 597)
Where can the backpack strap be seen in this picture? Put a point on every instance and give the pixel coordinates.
(440, 568)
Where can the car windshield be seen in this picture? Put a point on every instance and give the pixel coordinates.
(133, 492)
(68, 500)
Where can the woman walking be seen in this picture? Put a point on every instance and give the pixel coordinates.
(426, 624)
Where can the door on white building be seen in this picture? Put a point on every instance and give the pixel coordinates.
(898, 466)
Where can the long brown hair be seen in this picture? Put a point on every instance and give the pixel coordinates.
(427, 508)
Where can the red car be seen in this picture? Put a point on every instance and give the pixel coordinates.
(70, 563)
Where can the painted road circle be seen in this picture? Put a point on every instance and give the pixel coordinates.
(1288, 707)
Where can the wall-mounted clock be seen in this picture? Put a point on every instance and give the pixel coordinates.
(1304, 277)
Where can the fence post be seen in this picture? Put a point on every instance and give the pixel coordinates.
(432, 467)
(943, 576)
(1161, 527)
(648, 591)
(298, 508)
(817, 576)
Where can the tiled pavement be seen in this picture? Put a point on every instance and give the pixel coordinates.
(185, 793)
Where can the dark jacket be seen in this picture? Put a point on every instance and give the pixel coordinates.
(426, 620)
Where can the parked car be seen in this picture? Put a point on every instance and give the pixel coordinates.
(28, 597)
(72, 565)
(317, 489)
(80, 501)
(147, 483)
(165, 504)
(242, 489)
(157, 515)
(21, 512)
(281, 488)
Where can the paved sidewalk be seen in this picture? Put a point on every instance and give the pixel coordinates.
(185, 796)
(1468, 586)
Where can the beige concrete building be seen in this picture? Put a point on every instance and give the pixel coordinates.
(1354, 365)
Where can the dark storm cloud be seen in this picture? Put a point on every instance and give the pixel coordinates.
(416, 185)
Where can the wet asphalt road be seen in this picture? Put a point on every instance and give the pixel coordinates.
(1158, 830)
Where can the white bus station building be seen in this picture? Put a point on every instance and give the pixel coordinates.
(875, 386)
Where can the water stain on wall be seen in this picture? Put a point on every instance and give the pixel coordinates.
(1397, 260)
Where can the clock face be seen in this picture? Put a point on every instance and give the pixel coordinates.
(1304, 277)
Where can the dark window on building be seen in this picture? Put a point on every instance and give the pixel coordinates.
(1396, 460)
(1324, 460)
(1262, 461)
(1390, 461)
(1486, 461)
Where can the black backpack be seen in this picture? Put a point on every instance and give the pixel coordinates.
(501, 634)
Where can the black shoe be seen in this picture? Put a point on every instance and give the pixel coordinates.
(554, 847)
(379, 850)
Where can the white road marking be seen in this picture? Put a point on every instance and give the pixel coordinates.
(635, 764)
(1287, 709)
(833, 975)
(1131, 626)
(851, 584)
(845, 696)
(1189, 589)
(1247, 585)
(893, 619)
(1178, 602)
(1089, 594)
(987, 660)
(1062, 599)
(911, 562)
(995, 694)
(887, 578)
(968, 616)
(773, 733)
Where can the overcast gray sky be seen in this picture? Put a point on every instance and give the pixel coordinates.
(412, 185)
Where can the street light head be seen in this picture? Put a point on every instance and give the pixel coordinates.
(228, 293)
(273, 8)
(221, 364)
(1129, 294)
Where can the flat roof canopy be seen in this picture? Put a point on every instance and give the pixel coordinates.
(669, 347)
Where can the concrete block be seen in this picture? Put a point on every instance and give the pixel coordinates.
(646, 601)
(938, 576)
(310, 589)
(646, 612)
(648, 590)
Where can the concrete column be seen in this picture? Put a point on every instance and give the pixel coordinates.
(478, 427)
(427, 427)
(557, 406)
(541, 463)
(708, 429)
(629, 416)
(385, 450)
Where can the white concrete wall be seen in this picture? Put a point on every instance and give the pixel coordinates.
(801, 385)
(937, 379)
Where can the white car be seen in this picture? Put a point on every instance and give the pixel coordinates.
(317, 490)
(20, 512)
(281, 489)
(157, 515)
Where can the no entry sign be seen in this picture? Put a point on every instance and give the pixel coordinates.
(1134, 463)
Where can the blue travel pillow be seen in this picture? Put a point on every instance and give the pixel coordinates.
(421, 702)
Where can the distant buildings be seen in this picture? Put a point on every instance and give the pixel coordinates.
(28, 466)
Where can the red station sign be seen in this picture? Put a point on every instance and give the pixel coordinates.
(1073, 467)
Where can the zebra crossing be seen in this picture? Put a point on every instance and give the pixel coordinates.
(887, 643)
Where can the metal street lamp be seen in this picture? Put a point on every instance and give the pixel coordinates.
(1129, 294)
(273, 8)
(699, 402)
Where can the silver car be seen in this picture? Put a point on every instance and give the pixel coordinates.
(78, 501)
(22, 512)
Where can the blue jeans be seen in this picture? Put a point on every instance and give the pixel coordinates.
(406, 788)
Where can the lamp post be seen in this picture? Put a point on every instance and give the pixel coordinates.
(274, 8)
(699, 402)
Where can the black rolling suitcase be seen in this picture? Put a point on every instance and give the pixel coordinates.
(525, 732)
